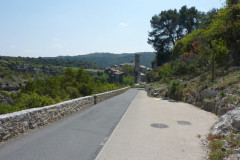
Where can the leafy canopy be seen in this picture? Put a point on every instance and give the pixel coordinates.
(169, 26)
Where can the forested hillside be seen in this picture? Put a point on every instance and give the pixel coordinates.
(53, 61)
(42, 92)
(108, 59)
(35, 82)
(16, 71)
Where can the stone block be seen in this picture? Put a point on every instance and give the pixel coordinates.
(236, 122)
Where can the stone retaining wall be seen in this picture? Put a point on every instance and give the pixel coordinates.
(102, 96)
(16, 123)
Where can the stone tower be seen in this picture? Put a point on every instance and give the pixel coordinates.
(137, 72)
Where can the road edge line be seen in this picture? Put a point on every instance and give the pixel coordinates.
(110, 137)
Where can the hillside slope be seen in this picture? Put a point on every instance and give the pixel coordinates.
(108, 59)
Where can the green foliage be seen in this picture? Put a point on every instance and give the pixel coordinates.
(150, 76)
(33, 100)
(186, 44)
(160, 37)
(54, 61)
(221, 51)
(128, 69)
(102, 77)
(216, 150)
(212, 46)
(169, 26)
(216, 144)
(222, 93)
(226, 27)
(72, 92)
(233, 139)
(165, 73)
(5, 93)
(208, 17)
(85, 88)
(218, 154)
(8, 109)
(72, 84)
(175, 89)
(128, 80)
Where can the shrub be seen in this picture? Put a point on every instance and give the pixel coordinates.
(222, 93)
(73, 92)
(150, 76)
(128, 80)
(8, 109)
(33, 100)
(85, 88)
(175, 89)
(5, 93)
(165, 73)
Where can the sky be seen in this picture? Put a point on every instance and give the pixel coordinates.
(48, 28)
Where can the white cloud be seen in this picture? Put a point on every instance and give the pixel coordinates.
(57, 46)
(123, 24)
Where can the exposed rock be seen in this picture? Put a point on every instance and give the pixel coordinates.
(152, 92)
(235, 156)
(228, 122)
(209, 92)
(236, 122)
(4, 100)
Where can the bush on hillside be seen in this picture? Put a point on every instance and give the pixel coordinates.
(175, 89)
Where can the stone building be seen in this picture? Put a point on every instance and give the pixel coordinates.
(115, 75)
(136, 69)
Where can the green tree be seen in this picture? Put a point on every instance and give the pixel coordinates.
(189, 19)
(103, 78)
(128, 80)
(165, 30)
(73, 92)
(150, 76)
(206, 18)
(32, 100)
(69, 75)
(128, 69)
(83, 76)
(165, 72)
(169, 26)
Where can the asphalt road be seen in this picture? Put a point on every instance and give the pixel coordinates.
(77, 137)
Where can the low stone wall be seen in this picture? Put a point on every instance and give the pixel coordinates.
(102, 96)
(16, 123)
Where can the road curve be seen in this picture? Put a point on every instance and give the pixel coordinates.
(79, 136)
(157, 129)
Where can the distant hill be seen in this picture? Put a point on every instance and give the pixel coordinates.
(16, 71)
(108, 59)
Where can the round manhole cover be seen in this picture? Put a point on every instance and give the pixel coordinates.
(183, 122)
(159, 125)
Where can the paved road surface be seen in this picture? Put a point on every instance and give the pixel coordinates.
(76, 137)
(176, 137)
